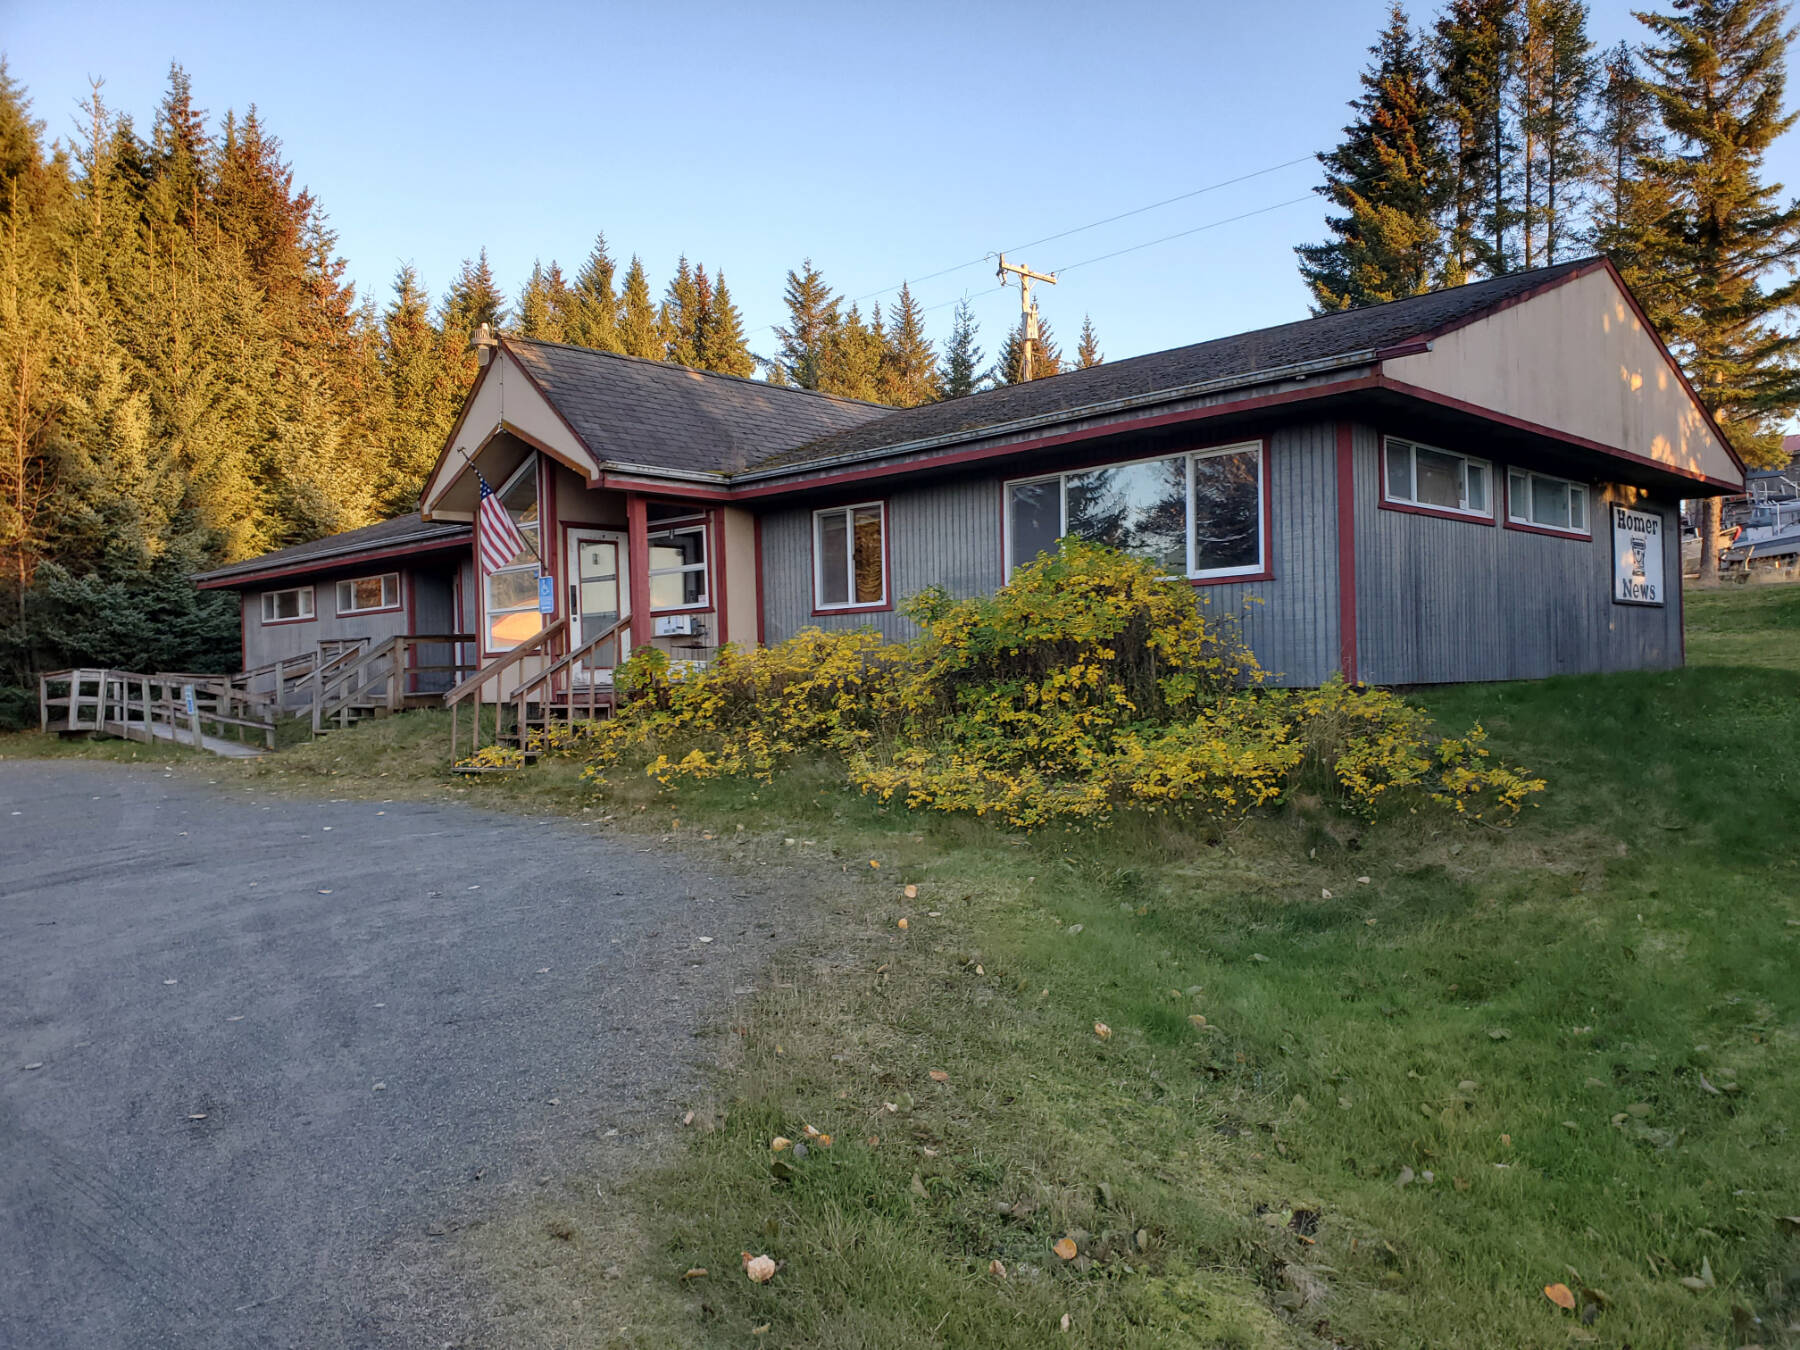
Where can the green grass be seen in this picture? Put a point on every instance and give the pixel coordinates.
(33, 745)
(1583, 1029)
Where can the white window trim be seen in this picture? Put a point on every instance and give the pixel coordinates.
(1587, 504)
(1257, 568)
(383, 608)
(310, 606)
(481, 581)
(703, 567)
(818, 553)
(1413, 502)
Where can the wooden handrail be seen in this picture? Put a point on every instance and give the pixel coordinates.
(585, 649)
(504, 662)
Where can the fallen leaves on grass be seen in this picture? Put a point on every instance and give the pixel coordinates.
(778, 1143)
(912, 892)
(760, 1269)
(1065, 1248)
(1103, 1031)
(693, 1272)
(939, 1076)
(997, 1269)
(1560, 1295)
(901, 924)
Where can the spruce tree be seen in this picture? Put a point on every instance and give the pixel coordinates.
(1087, 351)
(1556, 76)
(639, 332)
(543, 304)
(1626, 198)
(1386, 178)
(850, 364)
(474, 299)
(909, 362)
(812, 321)
(960, 372)
(1046, 357)
(681, 317)
(725, 349)
(1720, 264)
(1473, 56)
(594, 308)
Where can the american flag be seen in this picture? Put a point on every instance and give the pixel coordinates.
(501, 541)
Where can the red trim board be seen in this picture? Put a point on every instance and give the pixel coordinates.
(340, 563)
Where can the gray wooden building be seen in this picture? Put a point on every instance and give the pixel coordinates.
(1482, 483)
(313, 601)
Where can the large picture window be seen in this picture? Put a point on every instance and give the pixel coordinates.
(678, 568)
(290, 606)
(849, 557)
(510, 593)
(1197, 515)
(362, 595)
(1437, 480)
(1547, 503)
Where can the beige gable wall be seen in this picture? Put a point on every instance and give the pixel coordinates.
(506, 394)
(1578, 360)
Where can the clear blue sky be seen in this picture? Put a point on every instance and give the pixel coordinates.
(885, 142)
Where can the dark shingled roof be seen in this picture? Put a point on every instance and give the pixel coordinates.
(632, 411)
(1266, 349)
(409, 531)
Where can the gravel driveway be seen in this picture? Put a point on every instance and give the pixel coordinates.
(252, 1046)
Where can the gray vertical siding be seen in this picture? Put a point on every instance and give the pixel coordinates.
(263, 643)
(1291, 620)
(948, 533)
(1440, 601)
(939, 534)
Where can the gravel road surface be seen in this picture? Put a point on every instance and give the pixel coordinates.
(252, 1046)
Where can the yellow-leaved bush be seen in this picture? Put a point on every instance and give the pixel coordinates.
(1084, 686)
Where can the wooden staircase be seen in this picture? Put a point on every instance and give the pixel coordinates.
(350, 687)
(534, 685)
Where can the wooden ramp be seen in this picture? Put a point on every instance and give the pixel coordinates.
(198, 710)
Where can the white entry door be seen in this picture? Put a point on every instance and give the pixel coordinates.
(599, 592)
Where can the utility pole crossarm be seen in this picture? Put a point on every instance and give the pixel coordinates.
(1028, 313)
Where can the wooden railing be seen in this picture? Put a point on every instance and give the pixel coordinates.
(543, 684)
(152, 707)
(378, 678)
(542, 646)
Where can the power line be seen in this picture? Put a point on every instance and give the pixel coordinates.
(1182, 234)
(1092, 225)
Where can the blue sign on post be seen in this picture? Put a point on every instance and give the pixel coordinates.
(546, 594)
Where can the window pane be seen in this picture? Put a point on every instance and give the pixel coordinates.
(868, 556)
(667, 591)
(521, 501)
(1518, 492)
(1578, 508)
(1440, 479)
(1478, 496)
(1140, 509)
(677, 550)
(600, 598)
(1550, 503)
(509, 630)
(513, 589)
(834, 559)
(1227, 511)
(1399, 470)
(1035, 520)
